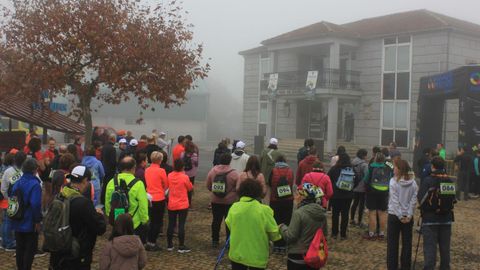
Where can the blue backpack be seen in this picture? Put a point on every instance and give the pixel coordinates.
(346, 180)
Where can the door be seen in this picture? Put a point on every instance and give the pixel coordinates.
(302, 119)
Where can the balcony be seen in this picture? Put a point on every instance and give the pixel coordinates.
(295, 81)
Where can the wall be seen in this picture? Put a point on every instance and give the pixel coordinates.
(369, 63)
(251, 89)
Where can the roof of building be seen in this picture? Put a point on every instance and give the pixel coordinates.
(398, 23)
(23, 110)
(254, 50)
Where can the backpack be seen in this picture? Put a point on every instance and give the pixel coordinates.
(187, 160)
(346, 179)
(17, 175)
(317, 253)
(441, 197)
(219, 184)
(380, 179)
(120, 203)
(283, 189)
(57, 230)
(16, 205)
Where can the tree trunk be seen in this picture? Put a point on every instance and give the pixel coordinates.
(87, 119)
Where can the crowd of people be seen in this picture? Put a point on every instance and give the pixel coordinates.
(131, 184)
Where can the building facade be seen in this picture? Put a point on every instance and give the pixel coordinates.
(357, 81)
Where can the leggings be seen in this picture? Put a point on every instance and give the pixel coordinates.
(358, 201)
(172, 223)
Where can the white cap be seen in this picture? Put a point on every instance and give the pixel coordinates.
(273, 141)
(133, 142)
(240, 144)
(163, 133)
(122, 140)
(79, 171)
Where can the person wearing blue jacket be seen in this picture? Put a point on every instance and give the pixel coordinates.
(98, 173)
(27, 229)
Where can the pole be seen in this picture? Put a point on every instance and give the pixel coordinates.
(222, 252)
(418, 243)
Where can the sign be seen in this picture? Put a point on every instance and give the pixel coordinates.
(312, 79)
(441, 82)
(273, 82)
(475, 82)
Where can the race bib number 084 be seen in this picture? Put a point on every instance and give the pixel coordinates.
(284, 191)
(447, 189)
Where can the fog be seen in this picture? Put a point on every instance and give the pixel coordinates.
(227, 27)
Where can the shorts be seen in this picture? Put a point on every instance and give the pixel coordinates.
(377, 201)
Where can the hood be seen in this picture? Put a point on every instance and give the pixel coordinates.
(89, 161)
(357, 161)
(68, 191)
(281, 165)
(314, 210)
(310, 159)
(405, 183)
(237, 154)
(126, 245)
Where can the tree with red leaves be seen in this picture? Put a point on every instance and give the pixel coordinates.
(108, 51)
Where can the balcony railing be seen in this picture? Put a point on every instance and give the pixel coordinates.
(327, 78)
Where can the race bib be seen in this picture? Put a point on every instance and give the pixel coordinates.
(284, 191)
(345, 185)
(218, 187)
(447, 189)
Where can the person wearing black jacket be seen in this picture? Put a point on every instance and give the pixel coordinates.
(341, 199)
(222, 149)
(86, 222)
(109, 162)
(436, 225)
(463, 161)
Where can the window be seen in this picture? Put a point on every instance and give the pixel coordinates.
(389, 86)
(396, 90)
(265, 66)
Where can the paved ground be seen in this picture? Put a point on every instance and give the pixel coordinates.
(355, 253)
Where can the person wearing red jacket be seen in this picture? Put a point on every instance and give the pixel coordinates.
(179, 185)
(157, 182)
(178, 149)
(306, 165)
(320, 179)
(281, 197)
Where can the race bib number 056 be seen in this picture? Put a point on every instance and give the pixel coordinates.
(447, 189)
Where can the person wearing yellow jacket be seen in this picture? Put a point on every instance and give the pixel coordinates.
(137, 197)
(252, 226)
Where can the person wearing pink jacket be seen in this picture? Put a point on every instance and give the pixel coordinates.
(320, 179)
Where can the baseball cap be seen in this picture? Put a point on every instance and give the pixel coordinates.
(162, 133)
(122, 140)
(133, 142)
(78, 173)
(274, 141)
(240, 144)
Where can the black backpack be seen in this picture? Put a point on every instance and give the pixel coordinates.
(441, 197)
(187, 161)
(219, 184)
(57, 230)
(16, 205)
(120, 203)
(283, 189)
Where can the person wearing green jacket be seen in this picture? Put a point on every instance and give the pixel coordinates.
(252, 226)
(267, 162)
(306, 220)
(441, 151)
(137, 197)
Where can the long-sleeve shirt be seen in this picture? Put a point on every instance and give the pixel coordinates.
(402, 198)
(29, 184)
